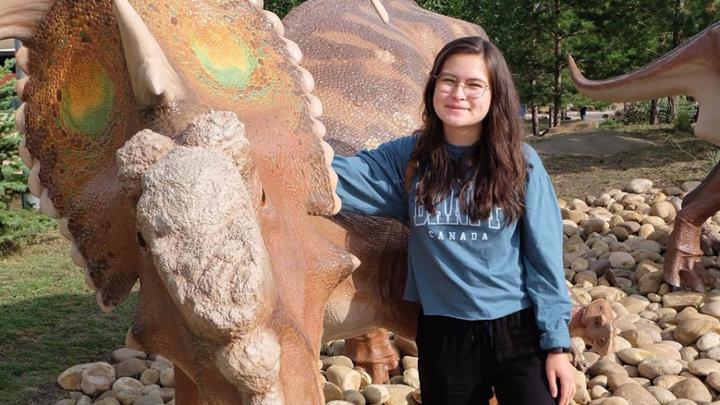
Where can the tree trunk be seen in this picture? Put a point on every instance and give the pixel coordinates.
(551, 114)
(557, 91)
(672, 108)
(535, 120)
(677, 38)
(19, 74)
(654, 111)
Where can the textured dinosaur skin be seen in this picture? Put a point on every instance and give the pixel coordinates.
(86, 98)
(218, 95)
(370, 74)
(595, 324)
(339, 46)
(370, 61)
(206, 100)
(79, 110)
(693, 69)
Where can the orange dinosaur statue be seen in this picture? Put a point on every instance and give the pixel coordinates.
(180, 145)
(216, 201)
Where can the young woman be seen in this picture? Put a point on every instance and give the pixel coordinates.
(485, 247)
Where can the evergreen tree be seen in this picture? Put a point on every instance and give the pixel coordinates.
(281, 7)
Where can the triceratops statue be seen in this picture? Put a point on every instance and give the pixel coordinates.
(179, 144)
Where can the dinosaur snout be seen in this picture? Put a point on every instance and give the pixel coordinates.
(603, 345)
(196, 216)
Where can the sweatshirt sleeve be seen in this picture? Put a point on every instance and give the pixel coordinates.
(542, 253)
(372, 182)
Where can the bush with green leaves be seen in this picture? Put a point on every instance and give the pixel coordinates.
(611, 123)
(685, 114)
(13, 179)
(7, 91)
(17, 226)
(634, 113)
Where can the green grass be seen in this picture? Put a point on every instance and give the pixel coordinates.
(49, 321)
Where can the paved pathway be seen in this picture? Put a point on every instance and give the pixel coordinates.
(593, 143)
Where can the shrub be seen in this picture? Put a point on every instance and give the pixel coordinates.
(7, 90)
(17, 226)
(683, 121)
(13, 177)
(611, 123)
(20, 226)
(685, 114)
(634, 113)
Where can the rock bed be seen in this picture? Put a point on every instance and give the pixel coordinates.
(666, 351)
(132, 378)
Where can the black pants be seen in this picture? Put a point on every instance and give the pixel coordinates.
(461, 361)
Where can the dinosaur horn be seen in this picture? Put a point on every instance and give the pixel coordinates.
(652, 81)
(677, 72)
(382, 12)
(690, 69)
(19, 18)
(153, 78)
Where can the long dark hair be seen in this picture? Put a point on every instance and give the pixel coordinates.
(495, 172)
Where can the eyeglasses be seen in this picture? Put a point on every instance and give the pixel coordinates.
(474, 88)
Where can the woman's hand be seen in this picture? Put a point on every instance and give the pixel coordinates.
(558, 367)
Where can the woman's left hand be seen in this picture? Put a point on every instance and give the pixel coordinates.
(558, 368)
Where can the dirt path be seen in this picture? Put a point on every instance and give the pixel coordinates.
(594, 160)
(591, 143)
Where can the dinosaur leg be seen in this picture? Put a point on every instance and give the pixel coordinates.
(186, 391)
(373, 352)
(682, 261)
(578, 360)
(709, 243)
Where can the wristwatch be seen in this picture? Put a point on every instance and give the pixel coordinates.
(558, 350)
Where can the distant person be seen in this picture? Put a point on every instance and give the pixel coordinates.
(583, 113)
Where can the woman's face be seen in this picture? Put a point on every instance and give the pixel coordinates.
(459, 99)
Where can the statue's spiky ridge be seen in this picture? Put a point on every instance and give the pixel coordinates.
(253, 73)
(102, 71)
(78, 111)
(370, 60)
(87, 94)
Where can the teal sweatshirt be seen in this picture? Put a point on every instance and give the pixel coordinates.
(471, 270)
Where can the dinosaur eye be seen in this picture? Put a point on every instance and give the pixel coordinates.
(263, 198)
(141, 241)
